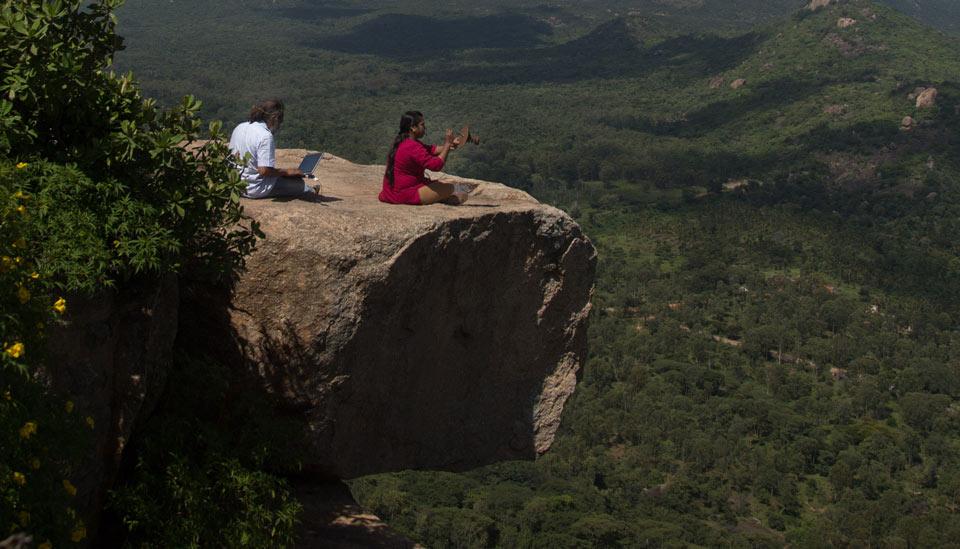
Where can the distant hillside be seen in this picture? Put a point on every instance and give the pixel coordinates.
(644, 96)
(942, 14)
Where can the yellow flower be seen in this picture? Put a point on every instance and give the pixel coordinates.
(15, 350)
(24, 518)
(19, 195)
(19, 479)
(35, 275)
(23, 294)
(22, 165)
(68, 406)
(69, 487)
(28, 429)
(60, 306)
(35, 464)
(21, 209)
(45, 545)
(78, 534)
(90, 422)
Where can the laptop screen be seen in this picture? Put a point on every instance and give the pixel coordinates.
(309, 162)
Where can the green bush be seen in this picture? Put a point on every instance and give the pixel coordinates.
(98, 186)
(164, 198)
(40, 434)
(201, 477)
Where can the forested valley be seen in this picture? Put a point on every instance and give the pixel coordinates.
(775, 339)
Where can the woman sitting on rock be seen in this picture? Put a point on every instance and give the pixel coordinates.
(404, 181)
(256, 139)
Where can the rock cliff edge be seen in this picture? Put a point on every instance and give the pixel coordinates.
(443, 337)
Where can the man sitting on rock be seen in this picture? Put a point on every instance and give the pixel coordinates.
(253, 143)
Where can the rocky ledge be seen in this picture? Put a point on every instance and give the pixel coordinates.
(441, 337)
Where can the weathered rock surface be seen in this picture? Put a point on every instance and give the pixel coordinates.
(846, 22)
(332, 519)
(412, 337)
(111, 356)
(927, 98)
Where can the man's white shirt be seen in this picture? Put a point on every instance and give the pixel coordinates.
(255, 139)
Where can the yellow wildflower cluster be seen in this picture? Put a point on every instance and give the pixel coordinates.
(60, 306)
(29, 429)
(22, 165)
(14, 351)
(23, 294)
(69, 488)
(19, 479)
(90, 422)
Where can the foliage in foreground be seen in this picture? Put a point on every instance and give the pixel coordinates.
(97, 187)
(41, 434)
(200, 478)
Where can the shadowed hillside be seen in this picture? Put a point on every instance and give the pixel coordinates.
(399, 35)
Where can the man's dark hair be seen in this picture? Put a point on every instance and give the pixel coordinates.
(269, 111)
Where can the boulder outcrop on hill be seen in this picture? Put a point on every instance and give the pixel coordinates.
(846, 22)
(927, 98)
(410, 337)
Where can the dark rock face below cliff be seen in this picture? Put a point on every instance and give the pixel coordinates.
(432, 337)
(111, 356)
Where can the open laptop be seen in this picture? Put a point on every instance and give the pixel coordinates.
(309, 164)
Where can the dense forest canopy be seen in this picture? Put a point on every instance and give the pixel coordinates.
(774, 351)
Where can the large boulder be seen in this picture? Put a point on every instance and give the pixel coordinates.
(443, 337)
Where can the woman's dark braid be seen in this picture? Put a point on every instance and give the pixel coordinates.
(407, 122)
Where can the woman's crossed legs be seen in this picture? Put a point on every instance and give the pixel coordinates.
(436, 191)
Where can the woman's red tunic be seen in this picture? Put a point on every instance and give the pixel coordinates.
(411, 159)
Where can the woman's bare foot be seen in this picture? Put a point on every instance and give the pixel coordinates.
(456, 199)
